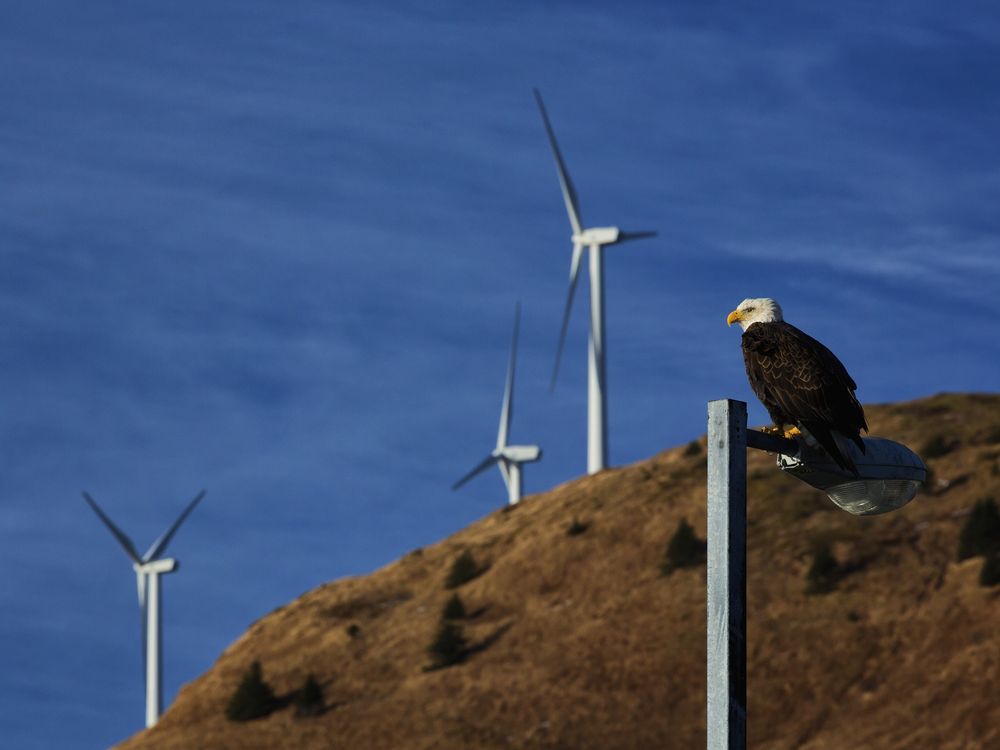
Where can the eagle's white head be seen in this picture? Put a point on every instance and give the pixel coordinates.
(750, 311)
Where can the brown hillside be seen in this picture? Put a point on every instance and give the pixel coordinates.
(581, 642)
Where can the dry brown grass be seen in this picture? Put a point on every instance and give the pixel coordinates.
(584, 644)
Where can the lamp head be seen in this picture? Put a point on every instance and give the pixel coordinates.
(889, 475)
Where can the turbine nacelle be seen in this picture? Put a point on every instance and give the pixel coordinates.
(597, 236)
(163, 565)
(521, 454)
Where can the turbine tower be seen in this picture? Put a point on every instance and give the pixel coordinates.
(508, 458)
(593, 239)
(148, 570)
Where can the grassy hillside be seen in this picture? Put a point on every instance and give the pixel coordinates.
(578, 640)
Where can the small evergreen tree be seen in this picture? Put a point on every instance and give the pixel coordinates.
(981, 533)
(937, 446)
(463, 570)
(684, 550)
(454, 609)
(989, 575)
(309, 698)
(823, 573)
(449, 645)
(693, 448)
(577, 527)
(253, 698)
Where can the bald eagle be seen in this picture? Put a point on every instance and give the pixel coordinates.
(799, 381)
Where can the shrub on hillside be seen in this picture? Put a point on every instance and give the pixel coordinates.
(693, 448)
(937, 446)
(253, 698)
(463, 570)
(454, 609)
(824, 572)
(990, 435)
(990, 573)
(309, 698)
(577, 527)
(684, 550)
(449, 646)
(981, 533)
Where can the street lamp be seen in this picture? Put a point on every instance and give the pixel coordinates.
(888, 477)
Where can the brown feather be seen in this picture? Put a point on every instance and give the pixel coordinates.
(801, 382)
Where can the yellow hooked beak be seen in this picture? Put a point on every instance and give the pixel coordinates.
(733, 317)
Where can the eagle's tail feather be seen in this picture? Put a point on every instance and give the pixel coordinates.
(825, 437)
(859, 442)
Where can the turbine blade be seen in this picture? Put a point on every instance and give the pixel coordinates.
(574, 274)
(626, 236)
(123, 540)
(481, 467)
(505, 471)
(568, 191)
(507, 410)
(161, 544)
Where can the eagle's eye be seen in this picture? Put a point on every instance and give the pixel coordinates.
(749, 309)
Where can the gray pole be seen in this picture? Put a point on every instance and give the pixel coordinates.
(597, 368)
(726, 616)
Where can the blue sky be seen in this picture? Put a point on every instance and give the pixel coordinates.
(273, 250)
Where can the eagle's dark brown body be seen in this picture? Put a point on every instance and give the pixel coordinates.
(801, 382)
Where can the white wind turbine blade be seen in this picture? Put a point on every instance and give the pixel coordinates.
(505, 471)
(161, 544)
(626, 236)
(123, 540)
(140, 584)
(507, 410)
(481, 467)
(569, 193)
(574, 274)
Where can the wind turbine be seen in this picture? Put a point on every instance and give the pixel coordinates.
(148, 570)
(508, 458)
(594, 239)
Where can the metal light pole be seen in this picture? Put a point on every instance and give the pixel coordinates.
(888, 477)
(726, 614)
